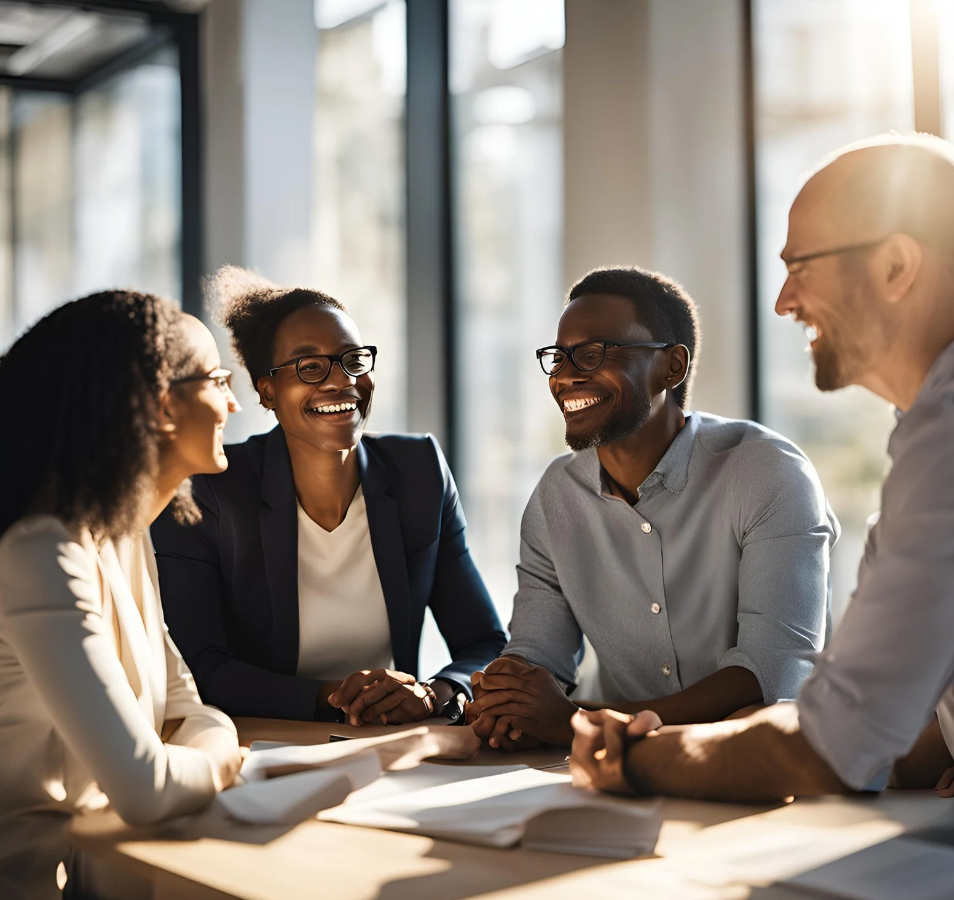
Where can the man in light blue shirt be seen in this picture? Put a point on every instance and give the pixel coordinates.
(691, 550)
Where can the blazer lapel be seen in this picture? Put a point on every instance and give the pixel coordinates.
(135, 654)
(278, 519)
(387, 542)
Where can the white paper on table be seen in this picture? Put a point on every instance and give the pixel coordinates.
(262, 758)
(541, 808)
(289, 799)
(426, 775)
(903, 867)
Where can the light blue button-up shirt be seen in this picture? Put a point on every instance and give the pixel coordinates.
(724, 561)
(892, 658)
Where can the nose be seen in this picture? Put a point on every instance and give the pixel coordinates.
(569, 374)
(787, 302)
(338, 378)
(233, 405)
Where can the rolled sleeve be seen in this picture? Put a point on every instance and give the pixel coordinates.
(784, 573)
(543, 629)
(875, 689)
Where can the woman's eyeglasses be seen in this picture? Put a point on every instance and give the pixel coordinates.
(315, 369)
(221, 378)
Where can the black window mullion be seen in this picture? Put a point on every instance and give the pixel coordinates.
(430, 283)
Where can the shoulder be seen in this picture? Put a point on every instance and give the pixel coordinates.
(33, 535)
(247, 455)
(244, 472)
(405, 454)
(567, 474)
(37, 552)
(751, 450)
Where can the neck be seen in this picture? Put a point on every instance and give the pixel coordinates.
(167, 482)
(630, 461)
(901, 373)
(325, 481)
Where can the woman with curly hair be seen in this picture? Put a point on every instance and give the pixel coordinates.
(302, 592)
(117, 400)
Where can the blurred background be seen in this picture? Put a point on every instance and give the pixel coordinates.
(448, 168)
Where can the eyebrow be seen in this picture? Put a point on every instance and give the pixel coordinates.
(311, 350)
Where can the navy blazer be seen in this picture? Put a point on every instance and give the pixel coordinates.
(230, 584)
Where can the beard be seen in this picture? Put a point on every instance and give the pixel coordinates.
(830, 374)
(850, 339)
(621, 425)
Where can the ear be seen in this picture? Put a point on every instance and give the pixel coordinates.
(677, 366)
(266, 391)
(166, 418)
(898, 264)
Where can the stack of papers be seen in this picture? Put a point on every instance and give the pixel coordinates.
(318, 776)
(539, 809)
(495, 806)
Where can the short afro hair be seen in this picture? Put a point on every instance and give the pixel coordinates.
(252, 308)
(662, 306)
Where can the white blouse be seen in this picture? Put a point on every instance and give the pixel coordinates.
(88, 676)
(343, 621)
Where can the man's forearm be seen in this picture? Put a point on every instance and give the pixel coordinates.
(761, 758)
(710, 700)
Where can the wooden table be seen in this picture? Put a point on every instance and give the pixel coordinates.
(706, 851)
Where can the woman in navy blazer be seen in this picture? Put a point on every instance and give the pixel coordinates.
(230, 584)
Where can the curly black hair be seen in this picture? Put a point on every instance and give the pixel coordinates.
(252, 308)
(662, 305)
(80, 390)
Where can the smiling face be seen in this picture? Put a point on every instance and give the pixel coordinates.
(198, 407)
(833, 295)
(615, 400)
(330, 416)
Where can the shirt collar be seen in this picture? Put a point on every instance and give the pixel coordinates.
(672, 470)
(941, 371)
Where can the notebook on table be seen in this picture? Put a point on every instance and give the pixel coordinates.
(537, 809)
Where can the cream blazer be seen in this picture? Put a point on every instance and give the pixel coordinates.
(88, 676)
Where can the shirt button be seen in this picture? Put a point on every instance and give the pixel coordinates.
(655, 608)
(666, 669)
(646, 527)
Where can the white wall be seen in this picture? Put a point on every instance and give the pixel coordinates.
(655, 163)
(259, 112)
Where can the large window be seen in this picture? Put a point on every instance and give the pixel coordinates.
(506, 84)
(90, 191)
(358, 217)
(826, 72)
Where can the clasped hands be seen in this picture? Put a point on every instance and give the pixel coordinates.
(518, 706)
(382, 696)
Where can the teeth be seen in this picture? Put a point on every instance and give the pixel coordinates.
(578, 403)
(811, 332)
(337, 407)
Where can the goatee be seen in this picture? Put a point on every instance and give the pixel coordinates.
(620, 426)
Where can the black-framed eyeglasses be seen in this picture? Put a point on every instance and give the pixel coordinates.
(836, 251)
(221, 378)
(315, 369)
(586, 356)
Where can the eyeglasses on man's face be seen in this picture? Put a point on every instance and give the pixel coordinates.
(794, 264)
(587, 356)
(221, 378)
(315, 369)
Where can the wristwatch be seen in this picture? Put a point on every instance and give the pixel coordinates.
(453, 709)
